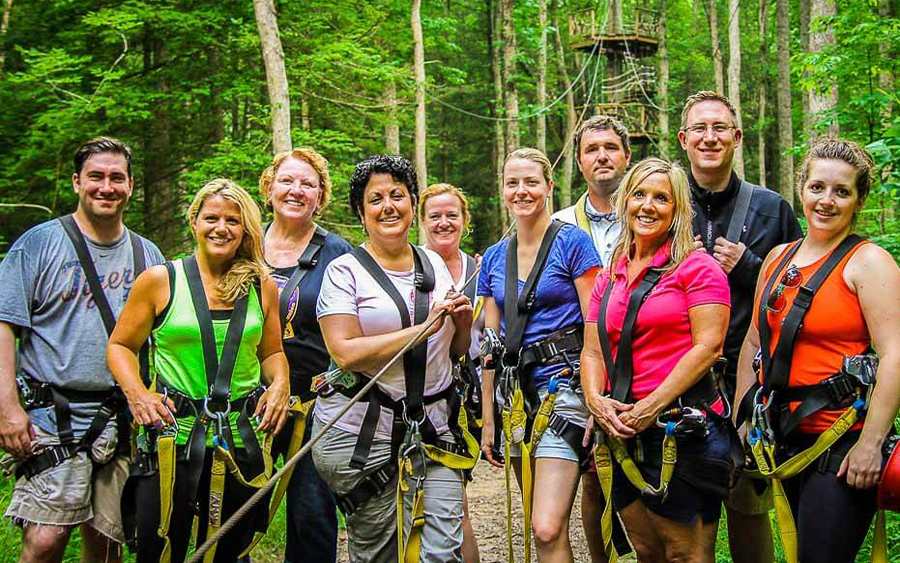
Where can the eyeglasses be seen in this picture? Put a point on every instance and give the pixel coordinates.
(792, 277)
(700, 129)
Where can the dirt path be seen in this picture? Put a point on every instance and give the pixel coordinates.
(487, 508)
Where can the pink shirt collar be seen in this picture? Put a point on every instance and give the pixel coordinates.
(660, 258)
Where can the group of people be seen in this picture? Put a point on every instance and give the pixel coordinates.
(609, 345)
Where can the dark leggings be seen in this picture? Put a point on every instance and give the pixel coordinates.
(311, 510)
(832, 518)
(150, 545)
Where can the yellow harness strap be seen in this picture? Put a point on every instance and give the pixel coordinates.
(514, 422)
(216, 499)
(580, 215)
(669, 458)
(408, 550)
(603, 463)
(300, 412)
(165, 446)
(764, 455)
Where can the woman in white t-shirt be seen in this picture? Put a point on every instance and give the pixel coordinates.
(363, 328)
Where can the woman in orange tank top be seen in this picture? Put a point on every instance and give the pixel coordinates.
(856, 308)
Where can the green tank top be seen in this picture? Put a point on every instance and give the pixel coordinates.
(178, 354)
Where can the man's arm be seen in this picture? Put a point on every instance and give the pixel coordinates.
(16, 432)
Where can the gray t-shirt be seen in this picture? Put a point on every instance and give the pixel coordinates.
(62, 339)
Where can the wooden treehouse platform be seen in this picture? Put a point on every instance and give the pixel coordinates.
(637, 36)
(638, 118)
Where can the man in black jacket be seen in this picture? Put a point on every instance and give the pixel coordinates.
(738, 232)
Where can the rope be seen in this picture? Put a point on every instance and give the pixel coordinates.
(242, 511)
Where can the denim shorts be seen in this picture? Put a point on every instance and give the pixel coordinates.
(570, 405)
(700, 460)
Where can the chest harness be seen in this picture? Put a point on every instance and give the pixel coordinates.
(37, 394)
(213, 415)
(687, 418)
(524, 416)
(766, 405)
(414, 439)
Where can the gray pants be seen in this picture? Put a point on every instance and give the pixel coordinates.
(371, 529)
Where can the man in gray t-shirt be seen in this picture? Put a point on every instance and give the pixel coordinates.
(46, 301)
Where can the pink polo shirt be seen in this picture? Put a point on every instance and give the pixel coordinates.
(662, 331)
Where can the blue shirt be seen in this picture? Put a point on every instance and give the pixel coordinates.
(556, 302)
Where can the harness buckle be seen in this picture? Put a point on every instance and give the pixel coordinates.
(214, 413)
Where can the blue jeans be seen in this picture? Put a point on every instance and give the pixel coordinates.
(311, 512)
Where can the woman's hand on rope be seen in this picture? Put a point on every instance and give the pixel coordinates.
(606, 412)
(272, 406)
(641, 417)
(459, 307)
(862, 465)
(151, 409)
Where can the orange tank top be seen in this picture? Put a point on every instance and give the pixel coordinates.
(833, 327)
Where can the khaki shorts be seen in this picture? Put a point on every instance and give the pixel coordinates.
(73, 492)
(745, 499)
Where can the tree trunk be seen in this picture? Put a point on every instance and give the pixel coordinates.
(392, 126)
(4, 26)
(565, 178)
(886, 76)
(419, 65)
(509, 75)
(763, 90)
(718, 69)
(734, 74)
(304, 111)
(805, 94)
(614, 17)
(785, 125)
(541, 127)
(499, 135)
(822, 100)
(663, 83)
(276, 77)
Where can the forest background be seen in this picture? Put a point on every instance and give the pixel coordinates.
(185, 84)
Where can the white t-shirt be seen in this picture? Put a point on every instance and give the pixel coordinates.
(477, 324)
(348, 289)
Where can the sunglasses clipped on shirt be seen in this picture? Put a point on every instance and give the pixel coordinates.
(792, 277)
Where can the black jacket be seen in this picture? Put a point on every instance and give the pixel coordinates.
(770, 222)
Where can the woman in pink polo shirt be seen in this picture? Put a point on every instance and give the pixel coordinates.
(651, 338)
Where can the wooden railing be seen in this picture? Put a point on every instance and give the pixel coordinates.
(586, 24)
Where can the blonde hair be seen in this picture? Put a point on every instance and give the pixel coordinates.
(248, 266)
(680, 232)
(307, 155)
(440, 189)
(533, 155)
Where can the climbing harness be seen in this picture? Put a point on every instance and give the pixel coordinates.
(35, 394)
(687, 418)
(524, 416)
(413, 436)
(766, 406)
(210, 421)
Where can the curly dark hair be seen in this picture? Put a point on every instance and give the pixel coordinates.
(398, 167)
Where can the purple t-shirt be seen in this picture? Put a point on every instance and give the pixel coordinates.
(556, 302)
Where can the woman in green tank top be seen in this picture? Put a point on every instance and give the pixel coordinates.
(213, 318)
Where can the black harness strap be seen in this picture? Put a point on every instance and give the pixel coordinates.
(777, 367)
(621, 371)
(218, 376)
(307, 261)
(516, 306)
(469, 290)
(739, 215)
(414, 360)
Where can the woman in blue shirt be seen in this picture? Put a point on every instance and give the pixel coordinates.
(555, 266)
